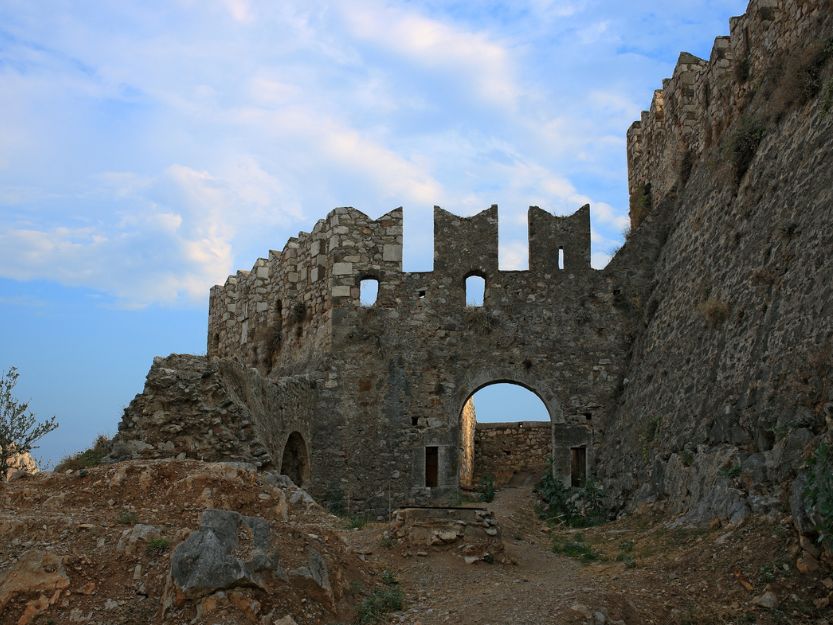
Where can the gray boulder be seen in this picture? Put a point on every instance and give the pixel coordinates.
(215, 558)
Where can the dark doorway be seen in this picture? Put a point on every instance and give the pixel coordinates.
(432, 466)
(578, 468)
(295, 462)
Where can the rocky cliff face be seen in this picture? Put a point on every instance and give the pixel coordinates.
(730, 386)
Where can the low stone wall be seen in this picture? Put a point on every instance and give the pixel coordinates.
(503, 449)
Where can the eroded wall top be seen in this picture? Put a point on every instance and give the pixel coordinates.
(704, 97)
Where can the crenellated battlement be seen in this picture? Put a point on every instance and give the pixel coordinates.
(279, 314)
(703, 98)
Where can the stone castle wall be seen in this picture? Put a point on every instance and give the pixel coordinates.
(277, 316)
(693, 368)
(382, 386)
(214, 410)
(504, 449)
(726, 394)
(704, 97)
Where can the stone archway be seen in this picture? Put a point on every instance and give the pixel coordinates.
(503, 449)
(295, 459)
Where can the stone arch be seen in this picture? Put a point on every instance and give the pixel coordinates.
(295, 459)
(467, 429)
(520, 376)
(466, 423)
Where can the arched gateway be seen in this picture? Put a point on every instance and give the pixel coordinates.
(378, 386)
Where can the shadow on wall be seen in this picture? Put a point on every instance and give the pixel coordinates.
(295, 459)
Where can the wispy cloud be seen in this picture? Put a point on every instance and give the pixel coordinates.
(150, 148)
(467, 54)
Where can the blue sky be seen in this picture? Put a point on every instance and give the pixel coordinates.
(148, 149)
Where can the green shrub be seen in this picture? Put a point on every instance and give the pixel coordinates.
(127, 517)
(356, 522)
(574, 507)
(818, 493)
(803, 76)
(487, 488)
(555, 498)
(731, 471)
(767, 573)
(641, 203)
(380, 602)
(334, 501)
(576, 548)
(157, 546)
(625, 554)
(627, 559)
(86, 459)
(743, 144)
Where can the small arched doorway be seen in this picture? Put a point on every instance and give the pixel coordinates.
(295, 459)
(505, 430)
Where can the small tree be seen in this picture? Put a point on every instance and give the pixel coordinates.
(18, 427)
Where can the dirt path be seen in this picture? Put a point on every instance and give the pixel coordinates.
(644, 572)
(540, 588)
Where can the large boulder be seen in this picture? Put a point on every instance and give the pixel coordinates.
(35, 572)
(227, 550)
(20, 465)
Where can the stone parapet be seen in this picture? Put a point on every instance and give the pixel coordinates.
(704, 97)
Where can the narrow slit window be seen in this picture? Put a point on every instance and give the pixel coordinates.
(475, 291)
(432, 466)
(561, 258)
(368, 291)
(578, 466)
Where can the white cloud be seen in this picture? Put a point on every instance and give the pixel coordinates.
(328, 141)
(240, 10)
(599, 260)
(171, 242)
(513, 255)
(273, 113)
(473, 57)
(592, 33)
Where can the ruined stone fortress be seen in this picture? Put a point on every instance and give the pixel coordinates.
(688, 353)
(385, 385)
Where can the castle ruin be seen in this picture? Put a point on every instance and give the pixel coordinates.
(703, 344)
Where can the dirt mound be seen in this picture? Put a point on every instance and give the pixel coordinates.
(97, 546)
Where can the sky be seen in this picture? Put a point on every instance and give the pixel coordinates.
(149, 149)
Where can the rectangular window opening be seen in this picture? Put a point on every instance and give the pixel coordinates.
(561, 257)
(578, 466)
(432, 466)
